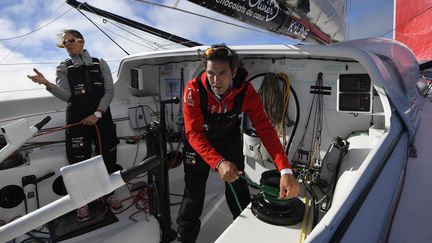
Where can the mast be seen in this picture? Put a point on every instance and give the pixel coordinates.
(132, 23)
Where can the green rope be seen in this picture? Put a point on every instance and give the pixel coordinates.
(271, 193)
(235, 196)
(250, 182)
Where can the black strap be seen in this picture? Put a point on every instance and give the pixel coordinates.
(68, 62)
(203, 96)
(238, 102)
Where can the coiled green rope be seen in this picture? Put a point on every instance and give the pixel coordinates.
(271, 193)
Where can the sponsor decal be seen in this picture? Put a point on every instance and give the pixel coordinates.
(266, 14)
(188, 98)
(262, 10)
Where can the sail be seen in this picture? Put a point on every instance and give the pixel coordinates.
(413, 26)
(314, 21)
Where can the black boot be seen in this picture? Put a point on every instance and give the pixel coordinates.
(189, 234)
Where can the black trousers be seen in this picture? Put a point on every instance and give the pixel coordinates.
(80, 138)
(195, 183)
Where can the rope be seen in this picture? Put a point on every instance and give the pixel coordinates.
(286, 88)
(172, 163)
(270, 193)
(57, 129)
(235, 196)
(272, 98)
(73, 125)
(276, 101)
(317, 108)
(305, 223)
(99, 139)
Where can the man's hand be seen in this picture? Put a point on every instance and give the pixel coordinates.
(228, 171)
(90, 120)
(288, 187)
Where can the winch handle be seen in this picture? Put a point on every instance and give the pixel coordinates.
(174, 100)
(43, 122)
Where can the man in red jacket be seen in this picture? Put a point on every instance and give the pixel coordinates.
(213, 102)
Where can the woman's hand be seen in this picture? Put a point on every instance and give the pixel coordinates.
(38, 78)
(90, 120)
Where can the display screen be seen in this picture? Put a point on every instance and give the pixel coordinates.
(354, 83)
(354, 102)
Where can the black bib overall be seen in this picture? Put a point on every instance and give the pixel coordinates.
(87, 88)
(223, 133)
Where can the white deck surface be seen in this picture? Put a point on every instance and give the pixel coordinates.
(257, 231)
(413, 217)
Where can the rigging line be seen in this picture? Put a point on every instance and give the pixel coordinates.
(406, 22)
(28, 63)
(147, 41)
(106, 20)
(27, 35)
(138, 36)
(132, 24)
(176, 3)
(147, 45)
(19, 90)
(102, 31)
(40, 63)
(37, 28)
(206, 17)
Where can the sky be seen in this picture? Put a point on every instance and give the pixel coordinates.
(30, 30)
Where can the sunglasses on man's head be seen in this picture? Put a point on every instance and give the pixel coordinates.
(71, 40)
(218, 50)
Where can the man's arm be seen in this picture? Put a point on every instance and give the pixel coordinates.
(252, 104)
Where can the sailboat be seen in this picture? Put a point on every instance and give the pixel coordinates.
(353, 112)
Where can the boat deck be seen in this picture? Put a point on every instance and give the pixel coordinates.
(412, 218)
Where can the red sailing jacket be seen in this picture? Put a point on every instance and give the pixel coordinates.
(252, 105)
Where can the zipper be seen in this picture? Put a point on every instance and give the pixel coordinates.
(87, 80)
(219, 102)
(81, 59)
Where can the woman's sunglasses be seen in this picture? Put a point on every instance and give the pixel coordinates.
(71, 40)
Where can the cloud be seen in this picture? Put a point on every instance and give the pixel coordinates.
(14, 77)
(370, 19)
(25, 6)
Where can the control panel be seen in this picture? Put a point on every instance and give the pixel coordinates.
(354, 93)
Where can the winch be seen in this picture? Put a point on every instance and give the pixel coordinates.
(269, 208)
